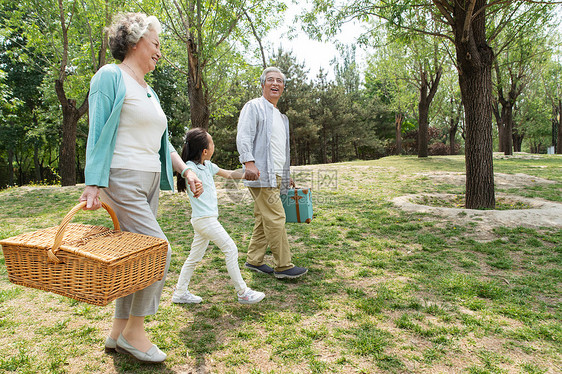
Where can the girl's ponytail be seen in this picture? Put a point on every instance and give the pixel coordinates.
(181, 185)
(196, 141)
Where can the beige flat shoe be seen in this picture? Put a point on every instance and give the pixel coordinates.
(153, 355)
(110, 344)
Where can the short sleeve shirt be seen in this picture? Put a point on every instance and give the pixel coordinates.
(205, 205)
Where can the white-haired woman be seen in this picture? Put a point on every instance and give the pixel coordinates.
(128, 160)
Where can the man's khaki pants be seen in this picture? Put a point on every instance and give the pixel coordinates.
(269, 229)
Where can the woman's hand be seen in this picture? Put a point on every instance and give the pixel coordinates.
(91, 196)
(195, 183)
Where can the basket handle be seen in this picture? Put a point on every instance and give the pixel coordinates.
(51, 253)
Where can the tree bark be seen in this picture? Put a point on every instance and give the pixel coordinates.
(453, 126)
(67, 151)
(398, 118)
(499, 122)
(10, 167)
(452, 134)
(517, 141)
(323, 145)
(423, 122)
(507, 140)
(474, 60)
(427, 93)
(198, 99)
(36, 163)
(559, 128)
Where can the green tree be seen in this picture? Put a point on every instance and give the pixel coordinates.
(71, 41)
(519, 53)
(211, 39)
(532, 120)
(388, 77)
(24, 76)
(448, 110)
(469, 30)
(552, 83)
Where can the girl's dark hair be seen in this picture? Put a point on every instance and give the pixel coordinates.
(196, 141)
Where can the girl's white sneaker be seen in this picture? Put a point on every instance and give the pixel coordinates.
(185, 298)
(250, 296)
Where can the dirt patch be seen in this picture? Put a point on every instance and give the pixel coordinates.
(500, 180)
(542, 213)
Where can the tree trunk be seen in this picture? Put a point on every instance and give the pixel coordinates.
(67, 152)
(10, 167)
(499, 122)
(398, 126)
(474, 59)
(501, 135)
(559, 137)
(452, 134)
(198, 99)
(427, 93)
(323, 146)
(36, 163)
(508, 129)
(453, 127)
(423, 109)
(333, 147)
(517, 141)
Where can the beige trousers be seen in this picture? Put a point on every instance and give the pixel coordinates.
(269, 229)
(133, 195)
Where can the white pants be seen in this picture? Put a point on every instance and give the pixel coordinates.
(209, 229)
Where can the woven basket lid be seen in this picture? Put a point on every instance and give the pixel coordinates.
(95, 242)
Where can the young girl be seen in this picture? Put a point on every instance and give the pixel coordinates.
(196, 153)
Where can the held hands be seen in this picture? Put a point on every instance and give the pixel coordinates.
(91, 195)
(195, 183)
(252, 173)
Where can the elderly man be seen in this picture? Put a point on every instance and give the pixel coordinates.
(263, 145)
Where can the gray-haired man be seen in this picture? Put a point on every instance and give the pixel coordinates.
(263, 145)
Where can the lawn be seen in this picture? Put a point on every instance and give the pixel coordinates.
(387, 291)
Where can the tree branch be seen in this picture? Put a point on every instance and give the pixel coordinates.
(468, 21)
(257, 38)
(442, 6)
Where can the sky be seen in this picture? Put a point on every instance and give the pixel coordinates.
(313, 54)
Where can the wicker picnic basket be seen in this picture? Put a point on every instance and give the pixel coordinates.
(88, 263)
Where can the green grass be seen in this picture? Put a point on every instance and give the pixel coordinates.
(387, 291)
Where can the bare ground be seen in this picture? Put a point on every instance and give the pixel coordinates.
(542, 213)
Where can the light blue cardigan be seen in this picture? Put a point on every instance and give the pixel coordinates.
(107, 93)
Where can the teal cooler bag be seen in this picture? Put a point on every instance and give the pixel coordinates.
(298, 205)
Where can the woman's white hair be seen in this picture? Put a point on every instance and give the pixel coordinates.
(128, 29)
(143, 25)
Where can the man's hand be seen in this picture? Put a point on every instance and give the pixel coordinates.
(252, 173)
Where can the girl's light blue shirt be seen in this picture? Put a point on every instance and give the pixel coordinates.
(205, 205)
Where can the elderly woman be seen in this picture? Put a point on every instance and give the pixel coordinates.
(128, 160)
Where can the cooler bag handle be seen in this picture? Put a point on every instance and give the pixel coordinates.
(297, 198)
(51, 253)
